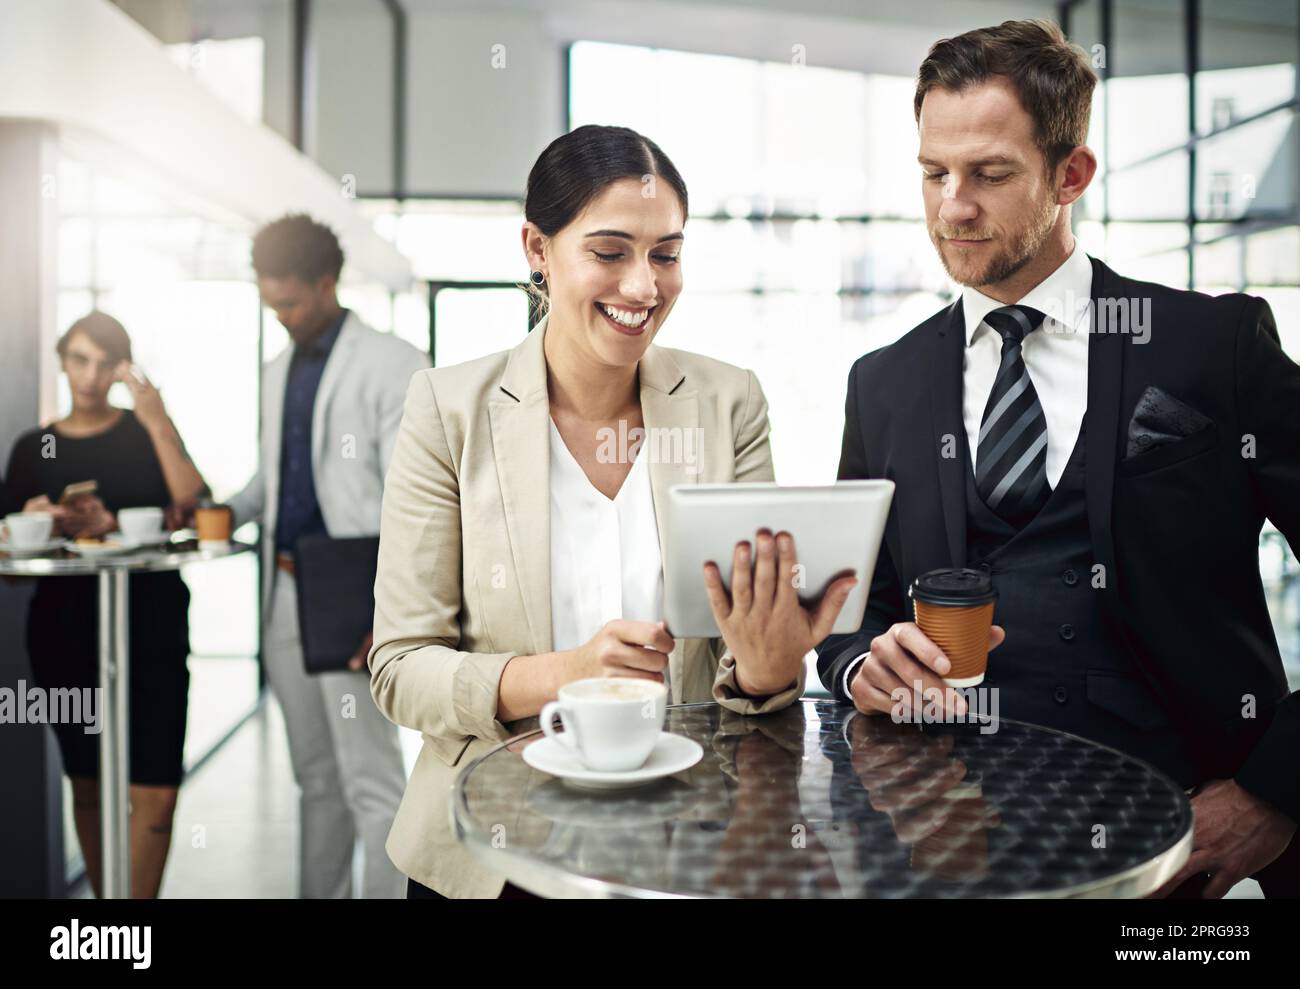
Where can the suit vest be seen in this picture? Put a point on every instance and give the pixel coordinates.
(1059, 667)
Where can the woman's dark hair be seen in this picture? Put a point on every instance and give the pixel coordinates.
(297, 245)
(577, 166)
(104, 332)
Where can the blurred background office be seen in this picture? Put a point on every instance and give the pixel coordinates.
(142, 143)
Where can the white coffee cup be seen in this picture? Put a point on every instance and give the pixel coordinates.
(27, 530)
(140, 525)
(611, 723)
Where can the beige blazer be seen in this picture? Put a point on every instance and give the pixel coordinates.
(464, 563)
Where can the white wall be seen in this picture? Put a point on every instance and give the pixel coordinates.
(475, 128)
(349, 130)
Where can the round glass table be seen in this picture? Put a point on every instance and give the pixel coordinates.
(819, 801)
(114, 572)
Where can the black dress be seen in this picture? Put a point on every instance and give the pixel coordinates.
(63, 625)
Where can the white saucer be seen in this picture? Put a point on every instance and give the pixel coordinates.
(117, 543)
(113, 548)
(49, 546)
(161, 544)
(671, 754)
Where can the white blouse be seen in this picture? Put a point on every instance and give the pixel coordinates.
(605, 558)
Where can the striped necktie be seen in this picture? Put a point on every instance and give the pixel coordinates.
(1011, 459)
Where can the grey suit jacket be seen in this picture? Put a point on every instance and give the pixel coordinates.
(468, 500)
(354, 426)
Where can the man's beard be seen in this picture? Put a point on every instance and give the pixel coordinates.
(1018, 253)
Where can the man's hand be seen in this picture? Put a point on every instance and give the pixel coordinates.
(900, 658)
(180, 514)
(1235, 835)
(358, 660)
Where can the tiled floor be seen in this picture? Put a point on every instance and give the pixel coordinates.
(236, 826)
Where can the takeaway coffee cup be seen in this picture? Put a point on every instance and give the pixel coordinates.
(954, 608)
(213, 523)
(611, 723)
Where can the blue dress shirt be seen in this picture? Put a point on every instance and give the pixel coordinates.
(299, 512)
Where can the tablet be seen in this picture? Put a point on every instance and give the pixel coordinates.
(837, 529)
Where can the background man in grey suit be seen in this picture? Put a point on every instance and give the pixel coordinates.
(331, 404)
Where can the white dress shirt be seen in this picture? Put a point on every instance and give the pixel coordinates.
(605, 557)
(1055, 354)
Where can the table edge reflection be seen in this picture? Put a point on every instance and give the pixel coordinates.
(546, 879)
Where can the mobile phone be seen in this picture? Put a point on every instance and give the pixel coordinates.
(136, 373)
(77, 490)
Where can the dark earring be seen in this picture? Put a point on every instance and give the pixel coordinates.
(538, 278)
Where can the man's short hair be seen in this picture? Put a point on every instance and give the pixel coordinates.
(296, 245)
(1052, 77)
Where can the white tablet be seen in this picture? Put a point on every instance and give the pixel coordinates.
(837, 529)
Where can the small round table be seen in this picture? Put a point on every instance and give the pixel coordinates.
(819, 801)
(114, 656)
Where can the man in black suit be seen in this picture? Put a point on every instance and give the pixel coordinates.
(1106, 450)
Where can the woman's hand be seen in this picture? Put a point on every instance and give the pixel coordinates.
(43, 504)
(87, 518)
(764, 625)
(625, 649)
(149, 408)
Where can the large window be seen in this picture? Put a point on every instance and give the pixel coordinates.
(1195, 124)
(806, 245)
(1196, 127)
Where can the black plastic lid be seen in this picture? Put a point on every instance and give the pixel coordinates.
(953, 588)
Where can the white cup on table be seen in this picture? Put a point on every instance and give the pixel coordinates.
(140, 525)
(27, 530)
(611, 723)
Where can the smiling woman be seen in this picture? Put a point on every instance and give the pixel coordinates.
(605, 210)
(519, 552)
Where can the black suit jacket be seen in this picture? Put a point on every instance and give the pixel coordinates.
(1175, 529)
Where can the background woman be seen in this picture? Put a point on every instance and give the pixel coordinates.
(137, 459)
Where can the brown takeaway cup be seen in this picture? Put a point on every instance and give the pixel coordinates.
(213, 524)
(954, 608)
